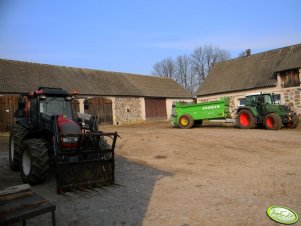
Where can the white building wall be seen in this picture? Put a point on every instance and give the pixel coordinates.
(142, 104)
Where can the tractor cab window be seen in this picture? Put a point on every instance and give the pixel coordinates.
(267, 99)
(251, 101)
(56, 106)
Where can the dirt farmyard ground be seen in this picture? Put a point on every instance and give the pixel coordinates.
(202, 176)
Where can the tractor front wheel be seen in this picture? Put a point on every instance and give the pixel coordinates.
(245, 119)
(15, 146)
(186, 121)
(272, 122)
(34, 164)
(294, 123)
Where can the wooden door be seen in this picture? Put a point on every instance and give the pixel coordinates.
(155, 108)
(8, 106)
(102, 107)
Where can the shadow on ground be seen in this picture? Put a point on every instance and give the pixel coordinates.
(125, 203)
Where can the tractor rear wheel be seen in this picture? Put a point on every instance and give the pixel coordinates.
(15, 146)
(34, 164)
(294, 123)
(272, 122)
(186, 121)
(245, 119)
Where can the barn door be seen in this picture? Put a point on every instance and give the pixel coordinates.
(102, 107)
(75, 107)
(155, 108)
(8, 106)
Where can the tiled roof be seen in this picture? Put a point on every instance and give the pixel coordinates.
(22, 77)
(250, 72)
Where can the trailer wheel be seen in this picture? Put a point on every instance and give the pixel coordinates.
(294, 123)
(186, 121)
(272, 122)
(245, 119)
(34, 164)
(15, 145)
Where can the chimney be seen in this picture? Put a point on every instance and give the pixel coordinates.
(248, 52)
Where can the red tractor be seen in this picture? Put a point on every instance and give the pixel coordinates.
(49, 134)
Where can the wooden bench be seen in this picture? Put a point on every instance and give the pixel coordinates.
(20, 203)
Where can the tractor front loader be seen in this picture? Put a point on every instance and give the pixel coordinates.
(49, 135)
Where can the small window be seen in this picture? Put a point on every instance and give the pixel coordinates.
(290, 78)
(242, 102)
(277, 98)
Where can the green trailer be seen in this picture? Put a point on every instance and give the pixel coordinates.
(186, 115)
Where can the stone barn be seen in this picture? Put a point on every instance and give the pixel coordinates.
(115, 97)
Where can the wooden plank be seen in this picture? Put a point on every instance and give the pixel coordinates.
(16, 195)
(25, 205)
(16, 210)
(14, 189)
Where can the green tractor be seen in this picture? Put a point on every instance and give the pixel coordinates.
(261, 110)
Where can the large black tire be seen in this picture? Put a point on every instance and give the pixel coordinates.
(186, 121)
(245, 119)
(294, 123)
(15, 146)
(34, 164)
(272, 122)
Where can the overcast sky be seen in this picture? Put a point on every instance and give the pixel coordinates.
(130, 36)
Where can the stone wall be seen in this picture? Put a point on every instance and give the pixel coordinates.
(127, 109)
(292, 98)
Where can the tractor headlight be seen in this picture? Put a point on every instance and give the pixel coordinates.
(69, 139)
(69, 142)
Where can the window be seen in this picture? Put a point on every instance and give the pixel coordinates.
(267, 99)
(56, 106)
(290, 78)
(242, 102)
(277, 98)
(251, 100)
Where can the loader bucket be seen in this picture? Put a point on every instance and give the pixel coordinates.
(91, 165)
(77, 175)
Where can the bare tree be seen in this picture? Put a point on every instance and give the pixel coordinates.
(242, 54)
(204, 58)
(190, 71)
(165, 68)
(185, 74)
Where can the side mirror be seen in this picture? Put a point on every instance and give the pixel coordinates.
(22, 102)
(86, 104)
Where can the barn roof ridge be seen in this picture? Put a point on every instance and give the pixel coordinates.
(19, 76)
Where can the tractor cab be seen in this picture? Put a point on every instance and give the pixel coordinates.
(56, 106)
(259, 99)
